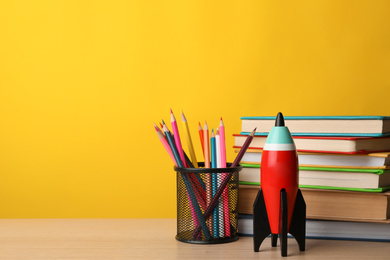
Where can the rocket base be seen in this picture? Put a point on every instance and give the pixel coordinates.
(262, 229)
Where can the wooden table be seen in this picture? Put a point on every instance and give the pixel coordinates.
(112, 239)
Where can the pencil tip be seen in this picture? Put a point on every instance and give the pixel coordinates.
(253, 132)
(172, 117)
(171, 110)
(163, 122)
(183, 118)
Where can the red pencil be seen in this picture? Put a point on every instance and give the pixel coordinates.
(201, 138)
(206, 143)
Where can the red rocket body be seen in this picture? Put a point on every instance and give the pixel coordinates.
(279, 170)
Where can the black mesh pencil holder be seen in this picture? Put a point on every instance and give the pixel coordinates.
(207, 204)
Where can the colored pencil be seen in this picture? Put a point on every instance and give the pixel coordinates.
(214, 182)
(176, 135)
(199, 179)
(206, 143)
(171, 143)
(219, 206)
(207, 165)
(194, 205)
(223, 143)
(201, 137)
(244, 147)
(225, 196)
(218, 148)
(197, 184)
(189, 140)
(225, 181)
(164, 141)
(158, 129)
(213, 151)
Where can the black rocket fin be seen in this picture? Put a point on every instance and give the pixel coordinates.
(283, 222)
(261, 227)
(298, 221)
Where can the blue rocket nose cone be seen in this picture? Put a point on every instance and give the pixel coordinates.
(279, 120)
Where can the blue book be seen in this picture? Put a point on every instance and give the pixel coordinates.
(366, 126)
(329, 229)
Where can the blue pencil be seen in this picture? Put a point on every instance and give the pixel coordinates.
(214, 183)
(187, 183)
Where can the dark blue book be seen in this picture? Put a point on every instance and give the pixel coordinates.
(329, 229)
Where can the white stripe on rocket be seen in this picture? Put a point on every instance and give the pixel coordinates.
(279, 147)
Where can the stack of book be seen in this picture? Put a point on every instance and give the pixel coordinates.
(344, 173)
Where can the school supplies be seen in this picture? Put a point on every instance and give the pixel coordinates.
(207, 192)
(226, 179)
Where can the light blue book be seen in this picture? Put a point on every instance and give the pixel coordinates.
(366, 126)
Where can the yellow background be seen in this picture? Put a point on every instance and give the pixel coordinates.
(81, 83)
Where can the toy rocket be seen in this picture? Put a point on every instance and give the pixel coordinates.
(279, 207)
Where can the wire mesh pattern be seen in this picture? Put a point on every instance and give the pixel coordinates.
(207, 204)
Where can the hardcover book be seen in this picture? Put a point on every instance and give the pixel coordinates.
(322, 125)
(369, 180)
(330, 204)
(346, 145)
(325, 229)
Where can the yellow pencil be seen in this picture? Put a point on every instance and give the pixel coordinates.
(189, 140)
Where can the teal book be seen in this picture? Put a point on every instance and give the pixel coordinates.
(368, 126)
(366, 180)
